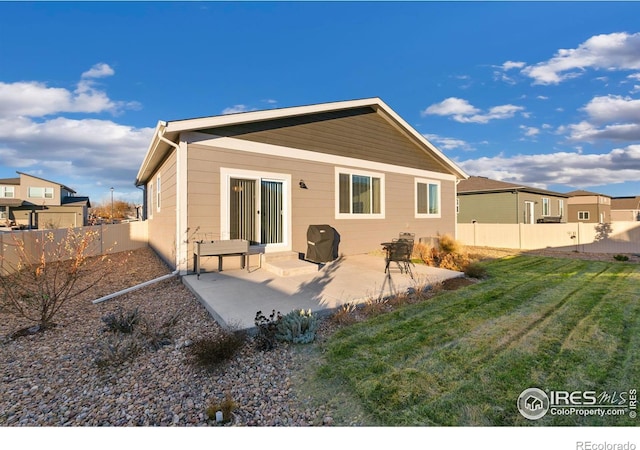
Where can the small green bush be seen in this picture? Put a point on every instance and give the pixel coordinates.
(299, 327)
(211, 352)
(121, 321)
(115, 350)
(621, 258)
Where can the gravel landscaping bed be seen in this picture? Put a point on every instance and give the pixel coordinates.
(51, 378)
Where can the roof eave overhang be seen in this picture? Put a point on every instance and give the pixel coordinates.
(158, 149)
(514, 190)
(155, 153)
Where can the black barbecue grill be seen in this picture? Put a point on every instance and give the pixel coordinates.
(321, 243)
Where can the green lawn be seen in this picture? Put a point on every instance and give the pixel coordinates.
(463, 357)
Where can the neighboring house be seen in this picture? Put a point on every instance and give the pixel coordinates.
(32, 202)
(625, 209)
(266, 176)
(588, 207)
(484, 200)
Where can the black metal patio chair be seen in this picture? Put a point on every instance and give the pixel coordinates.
(399, 251)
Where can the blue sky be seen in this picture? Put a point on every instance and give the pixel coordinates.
(545, 94)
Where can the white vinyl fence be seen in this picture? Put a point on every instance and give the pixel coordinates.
(104, 239)
(616, 237)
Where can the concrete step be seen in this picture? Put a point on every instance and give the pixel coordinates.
(279, 256)
(288, 267)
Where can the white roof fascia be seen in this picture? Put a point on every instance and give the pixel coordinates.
(422, 139)
(268, 114)
(151, 150)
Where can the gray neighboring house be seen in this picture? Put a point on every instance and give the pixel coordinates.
(484, 200)
(588, 207)
(31, 202)
(266, 176)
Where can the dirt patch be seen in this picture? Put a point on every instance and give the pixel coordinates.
(456, 283)
(488, 253)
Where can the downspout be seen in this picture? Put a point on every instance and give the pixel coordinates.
(455, 208)
(179, 202)
(134, 288)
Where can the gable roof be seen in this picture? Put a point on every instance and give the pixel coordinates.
(167, 134)
(10, 181)
(583, 193)
(48, 181)
(76, 201)
(483, 185)
(625, 202)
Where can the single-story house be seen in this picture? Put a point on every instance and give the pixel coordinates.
(27, 201)
(624, 209)
(266, 176)
(484, 200)
(588, 207)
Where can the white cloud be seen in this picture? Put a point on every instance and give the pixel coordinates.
(447, 143)
(530, 131)
(571, 169)
(36, 99)
(508, 65)
(84, 153)
(451, 106)
(610, 117)
(462, 111)
(99, 70)
(235, 109)
(615, 51)
(613, 108)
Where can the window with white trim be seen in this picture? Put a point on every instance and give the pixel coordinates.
(583, 215)
(7, 191)
(546, 207)
(40, 192)
(561, 208)
(359, 194)
(150, 201)
(158, 193)
(427, 198)
(3, 212)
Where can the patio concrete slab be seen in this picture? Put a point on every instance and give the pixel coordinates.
(233, 297)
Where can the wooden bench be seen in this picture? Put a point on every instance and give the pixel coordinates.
(237, 247)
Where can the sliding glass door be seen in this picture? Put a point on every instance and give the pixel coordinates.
(256, 210)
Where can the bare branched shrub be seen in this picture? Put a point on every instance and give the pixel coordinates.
(345, 314)
(39, 276)
(375, 306)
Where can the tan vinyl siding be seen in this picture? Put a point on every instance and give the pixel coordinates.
(312, 206)
(162, 224)
(27, 182)
(360, 133)
(596, 205)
